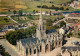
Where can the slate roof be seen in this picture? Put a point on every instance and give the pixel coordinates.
(73, 48)
(29, 41)
(51, 31)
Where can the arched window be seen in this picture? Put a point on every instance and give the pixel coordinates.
(34, 51)
(56, 43)
(59, 43)
(30, 51)
(46, 48)
(40, 48)
(26, 51)
(52, 46)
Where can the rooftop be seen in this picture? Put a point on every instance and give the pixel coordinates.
(73, 48)
(29, 41)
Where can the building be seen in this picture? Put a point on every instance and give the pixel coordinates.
(6, 28)
(40, 42)
(71, 51)
(74, 16)
(75, 4)
(53, 12)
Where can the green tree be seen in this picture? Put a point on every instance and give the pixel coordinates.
(33, 11)
(62, 23)
(62, 8)
(50, 13)
(20, 12)
(67, 8)
(14, 12)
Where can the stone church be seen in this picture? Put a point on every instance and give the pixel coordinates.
(41, 42)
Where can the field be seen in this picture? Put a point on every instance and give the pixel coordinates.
(60, 1)
(33, 5)
(5, 21)
(27, 5)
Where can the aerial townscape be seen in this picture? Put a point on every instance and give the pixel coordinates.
(40, 28)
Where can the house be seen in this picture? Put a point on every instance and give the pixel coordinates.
(74, 16)
(53, 12)
(75, 4)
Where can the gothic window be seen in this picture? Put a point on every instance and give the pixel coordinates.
(40, 48)
(26, 51)
(52, 46)
(30, 51)
(34, 51)
(47, 48)
(59, 43)
(56, 43)
(50, 35)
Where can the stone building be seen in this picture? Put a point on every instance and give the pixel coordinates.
(41, 42)
(71, 51)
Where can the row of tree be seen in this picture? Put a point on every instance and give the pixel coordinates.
(53, 7)
(20, 12)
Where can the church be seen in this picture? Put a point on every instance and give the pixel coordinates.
(41, 42)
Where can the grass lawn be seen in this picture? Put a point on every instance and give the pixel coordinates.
(5, 21)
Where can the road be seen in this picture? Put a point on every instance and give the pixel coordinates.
(12, 50)
(59, 21)
(12, 19)
(9, 16)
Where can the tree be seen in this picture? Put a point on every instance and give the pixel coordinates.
(9, 10)
(62, 8)
(14, 12)
(50, 13)
(33, 11)
(67, 8)
(20, 12)
(68, 35)
(49, 24)
(39, 6)
(44, 6)
(13, 36)
(37, 11)
(56, 8)
(62, 23)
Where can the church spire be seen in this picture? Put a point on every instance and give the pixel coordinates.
(40, 18)
(40, 30)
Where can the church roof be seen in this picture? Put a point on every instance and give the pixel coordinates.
(29, 41)
(51, 31)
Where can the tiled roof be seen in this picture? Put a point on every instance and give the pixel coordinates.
(75, 25)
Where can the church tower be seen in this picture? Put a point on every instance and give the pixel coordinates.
(41, 30)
